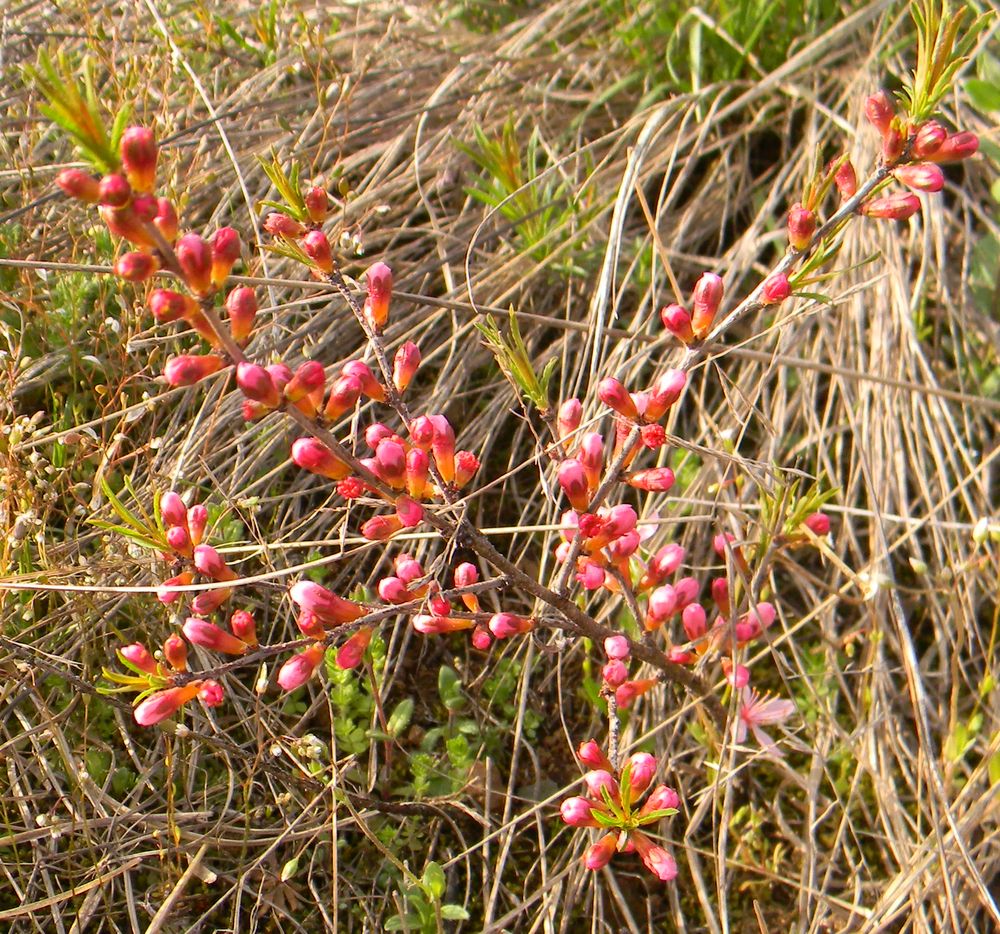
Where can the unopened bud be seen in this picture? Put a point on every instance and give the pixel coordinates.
(573, 480)
(677, 320)
(194, 256)
(241, 304)
(316, 246)
(344, 393)
(615, 396)
(923, 176)
(801, 226)
(955, 148)
(880, 111)
(309, 377)
(139, 153)
(136, 267)
(243, 626)
(370, 386)
(188, 369)
(569, 418)
(197, 520)
(256, 384)
(705, 302)
(381, 528)
(379, 278)
(175, 652)
(281, 225)
(776, 289)
(317, 203)
(664, 393)
(114, 191)
(225, 253)
(166, 219)
(405, 364)
(652, 480)
(312, 455)
(80, 185)
(895, 207)
(928, 140)
(466, 466)
(846, 179)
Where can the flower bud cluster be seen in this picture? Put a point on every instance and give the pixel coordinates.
(612, 804)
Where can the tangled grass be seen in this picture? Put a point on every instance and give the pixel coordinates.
(304, 814)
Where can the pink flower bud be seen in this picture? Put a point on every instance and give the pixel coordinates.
(661, 798)
(653, 436)
(377, 432)
(172, 509)
(410, 513)
(662, 605)
(114, 191)
(316, 246)
(615, 396)
(665, 562)
(210, 600)
(317, 203)
(79, 185)
(923, 176)
(312, 455)
(630, 690)
(694, 621)
(225, 253)
(466, 467)
(244, 627)
(617, 647)
(880, 111)
(309, 377)
(144, 207)
(723, 545)
(194, 256)
(300, 668)
(393, 590)
(281, 225)
(680, 656)
(775, 290)
(504, 625)
(138, 655)
(422, 432)
(846, 179)
(642, 769)
(677, 320)
(164, 703)
(407, 569)
(818, 523)
(664, 393)
(720, 595)
(928, 140)
(136, 267)
(168, 306)
(599, 855)
(801, 226)
(381, 528)
(601, 779)
(619, 520)
(591, 575)
(166, 593)
(328, 608)
(615, 673)
(569, 418)
(139, 153)
(350, 654)
(956, 147)
(175, 652)
(577, 812)
(122, 222)
(166, 221)
(370, 386)
(241, 304)
(895, 207)
(179, 540)
(404, 365)
(344, 393)
(309, 625)
(390, 463)
(210, 563)
(211, 694)
(481, 638)
(438, 625)
(624, 546)
(656, 859)
(652, 480)
(893, 143)
(737, 675)
(686, 590)
(590, 754)
(705, 302)
(417, 472)
(209, 636)
(256, 384)
(439, 605)
(573, 480)
(379, 278)
(752, 624)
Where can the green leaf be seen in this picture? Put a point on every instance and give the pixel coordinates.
(984, 94)
(454, 913)
(289, 869)
(434, 880)
(993, 769)
(400, 717)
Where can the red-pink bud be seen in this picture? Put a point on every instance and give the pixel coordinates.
(880, 111)
(599, 855)
(577, 812)
(591, 457)
(139, 153)
(139, 656)
(928, 140)
(677, 320)
(350, 654)
(210, 600)
(344, 393)
(481, 638)
(662, 605)
(390, 462)
(122, 222)
(281, 225)
(377, 432)
(179, 539)
(370, 386)
(417, 472)
(194, 256)
(381, 528)
(136, 267)
(573, 480)
(225, 253)
(80, 185)
(630, 690)
(210, 563)
(144, 207)
(599, 780)
(379, 278)
(316, 246)
(590, 754)
(617, 647)
(312, 455)
(188, 369)
(661, 798)
(705, 301)
(664, 563)
(846, 179)
(317, 203)
(422, 433)
(656, 859)
(166, 221)
(664, 393)
(175, 652)
(569, 418)
(504, 625)
(801, 226)
(197, 519)
(923, 176)
(241, 304)
(443, 447)
(393, 590)
(164, 703)
(895, 207)
(694, 621)
(211, 694)
(775, 289)
(114, 191)
(407, 569)
(652, 480)
(405, 364)
(168, 306)
(466, 467)
(956, 147)
(256, 384)
(166, 593)
(642, 769)
(300, 668)
(243, 626)
(893, 143)
(209, 636)
(818, 523)
(737, 675)
(172, 509)
(410, 512)
(720, 594)
(330, 609)
(686, 590)
(615, 396)
(309, 377)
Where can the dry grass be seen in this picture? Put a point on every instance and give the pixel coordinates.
(871, 823)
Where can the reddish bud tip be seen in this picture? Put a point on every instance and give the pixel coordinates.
(316, 246)
(256, 383)
(78, 184)
(379, 278)
(652, 480)
(241, 304)
(188, 369)
(139, 153)
(957, 147)
(664, 393)
(166, 219)
(175, 651)
(879, 111)
(300, 668)
(115, 191)
(801, 226)
(309, 377)
(775, 290)
(573, 480)
(209, 636)
(168, 306)
(370, 386)
(677, 320)
(136, 267)
(317, 203)
(705, 301)
(312, 455)
(225, 253)
(194, 256)
(846, 179)
(281, 225)
(895, 207)
(615, 396)
(569, 418)
(928, 139)
(405, 364)
(923, 176)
